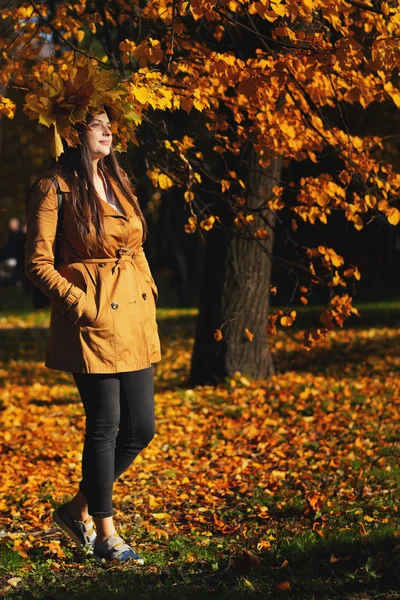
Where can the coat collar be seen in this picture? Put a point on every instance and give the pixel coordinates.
(108, 210)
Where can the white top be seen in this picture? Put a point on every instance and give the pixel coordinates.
(111, 199)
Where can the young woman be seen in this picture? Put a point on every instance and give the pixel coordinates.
(103, 321)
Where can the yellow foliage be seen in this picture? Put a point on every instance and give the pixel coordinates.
(277, 101)
(188, 195)
(164, 181)
(190, 227)
(225, 185)
(207, 224)
(141, 93)
(393, 216)
(287, 320)
(7, 107)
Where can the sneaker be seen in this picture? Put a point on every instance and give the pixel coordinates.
(82, 532)
(114, 548)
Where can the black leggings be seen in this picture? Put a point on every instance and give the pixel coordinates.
(120, 422)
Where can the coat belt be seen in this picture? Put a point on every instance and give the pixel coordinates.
(124, 255)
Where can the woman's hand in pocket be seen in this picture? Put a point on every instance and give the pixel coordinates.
(81, 312)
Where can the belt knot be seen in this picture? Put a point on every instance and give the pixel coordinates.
(123, 254)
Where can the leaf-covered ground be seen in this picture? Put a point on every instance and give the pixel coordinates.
(280, 488)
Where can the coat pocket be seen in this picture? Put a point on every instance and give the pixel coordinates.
(90, 312)
(85, 312)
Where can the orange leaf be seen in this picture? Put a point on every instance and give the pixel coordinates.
(285, 585)
(249, 334)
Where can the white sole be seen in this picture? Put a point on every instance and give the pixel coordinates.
(100, 560)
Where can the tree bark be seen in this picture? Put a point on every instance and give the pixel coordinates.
(234, 293)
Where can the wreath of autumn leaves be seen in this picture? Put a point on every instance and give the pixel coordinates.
(66, 97)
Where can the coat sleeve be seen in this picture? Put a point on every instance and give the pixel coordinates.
(143, 266)
(41, 218)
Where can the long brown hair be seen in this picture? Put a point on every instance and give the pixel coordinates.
(75, 166)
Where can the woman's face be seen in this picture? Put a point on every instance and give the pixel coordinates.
(99, 136)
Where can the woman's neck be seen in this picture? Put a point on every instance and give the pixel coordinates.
(96, 170)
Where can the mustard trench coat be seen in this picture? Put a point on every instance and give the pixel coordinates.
(103, 304)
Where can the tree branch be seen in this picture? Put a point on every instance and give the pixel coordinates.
(56, 32)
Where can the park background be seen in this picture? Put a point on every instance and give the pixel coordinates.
(284, 485)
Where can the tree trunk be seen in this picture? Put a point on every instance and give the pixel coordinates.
(234, 292)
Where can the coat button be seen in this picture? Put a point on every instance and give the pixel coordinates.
(144, 296)
(114, 305)
(102, 264)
